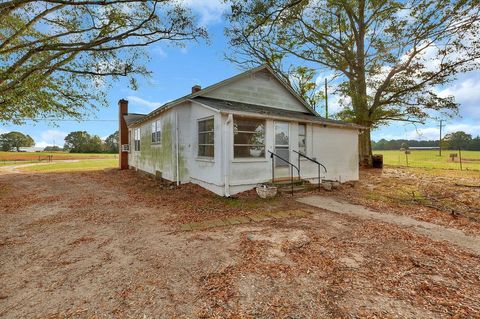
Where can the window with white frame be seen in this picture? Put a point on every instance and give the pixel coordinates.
(137, 140)
(302, 138)
(157, 132)
(248, 138)
(130, 138)
(206, 138)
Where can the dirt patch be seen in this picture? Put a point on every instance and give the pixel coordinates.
(190, 202)
(105, 245)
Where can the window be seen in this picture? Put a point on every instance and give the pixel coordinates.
(206, 138)
(159, 132)
(156, 132)
(282, 143)
(137, 140)
(302, 138)
(248, 138)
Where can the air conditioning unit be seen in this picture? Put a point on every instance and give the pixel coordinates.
(126, 148)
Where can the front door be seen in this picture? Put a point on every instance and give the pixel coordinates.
(282, 143)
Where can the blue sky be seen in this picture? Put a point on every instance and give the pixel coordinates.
(176, 70)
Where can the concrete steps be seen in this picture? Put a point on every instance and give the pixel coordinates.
(299, 185)
(284, 185)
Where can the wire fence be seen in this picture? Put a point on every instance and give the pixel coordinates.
(14, 158)
(446, 159)
(18, 161)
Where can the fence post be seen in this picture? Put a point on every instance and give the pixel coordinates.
(460, 156)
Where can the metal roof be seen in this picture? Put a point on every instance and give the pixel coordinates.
(133, 117)
(226, 106)
(220, 84)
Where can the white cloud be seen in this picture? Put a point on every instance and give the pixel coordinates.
(432, 133)
(159, 51)
(142, 102)
(51, 137)
(466, 92)
(210, 11)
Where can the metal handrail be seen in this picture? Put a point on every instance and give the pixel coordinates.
(272, 154)
(312, 160)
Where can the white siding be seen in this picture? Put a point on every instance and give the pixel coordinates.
(203, 171)
(261, 88)
(153, 158)
(336, 148)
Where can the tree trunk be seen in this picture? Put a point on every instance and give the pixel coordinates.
(365, 148)
(360, 97)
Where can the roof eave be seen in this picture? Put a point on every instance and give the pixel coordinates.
(212, 87)
(276, 117)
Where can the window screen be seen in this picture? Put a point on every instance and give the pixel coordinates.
(206, 138)
(249, 138)
(302, 139)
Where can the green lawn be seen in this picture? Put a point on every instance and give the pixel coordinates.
(82, 165)
(36, 156)
(431, 159)
(9, 163)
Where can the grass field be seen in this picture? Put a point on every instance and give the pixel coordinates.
(431, 159)
(18, 158)
(81, 165)
(35, 156)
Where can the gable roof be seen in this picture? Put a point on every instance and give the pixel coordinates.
(133, 117)
(210, 88)
(240, 108)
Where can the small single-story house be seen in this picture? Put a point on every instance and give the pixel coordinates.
(238, 133)
(30, 149)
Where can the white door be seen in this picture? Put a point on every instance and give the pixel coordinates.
(282, 143)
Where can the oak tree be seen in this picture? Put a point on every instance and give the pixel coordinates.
(56, 54)
(14, 140)
(389, 57)
(111, 143)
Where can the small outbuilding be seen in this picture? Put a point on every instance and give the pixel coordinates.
(229, 137)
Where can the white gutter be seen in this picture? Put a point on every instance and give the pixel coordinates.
(176, 147)
(284, 118)
(226, 158)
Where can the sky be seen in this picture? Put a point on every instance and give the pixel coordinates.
(175, 70)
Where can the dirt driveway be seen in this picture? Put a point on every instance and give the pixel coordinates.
(108, 245)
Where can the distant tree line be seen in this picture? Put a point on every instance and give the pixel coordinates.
(452, 141)
(14, 140)
(75, 142)
(83, 142)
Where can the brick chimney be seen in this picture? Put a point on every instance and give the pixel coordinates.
(196, 88)
(122, 133)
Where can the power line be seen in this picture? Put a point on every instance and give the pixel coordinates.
(68, 120)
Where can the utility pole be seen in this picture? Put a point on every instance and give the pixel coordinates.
(440, 141)
(326, 99)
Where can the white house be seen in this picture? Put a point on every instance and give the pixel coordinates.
(232, 135)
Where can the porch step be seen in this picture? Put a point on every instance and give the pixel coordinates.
(283, 182)
(297, 189)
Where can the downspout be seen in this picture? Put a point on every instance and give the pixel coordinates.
(226, 158)
(176, 148)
